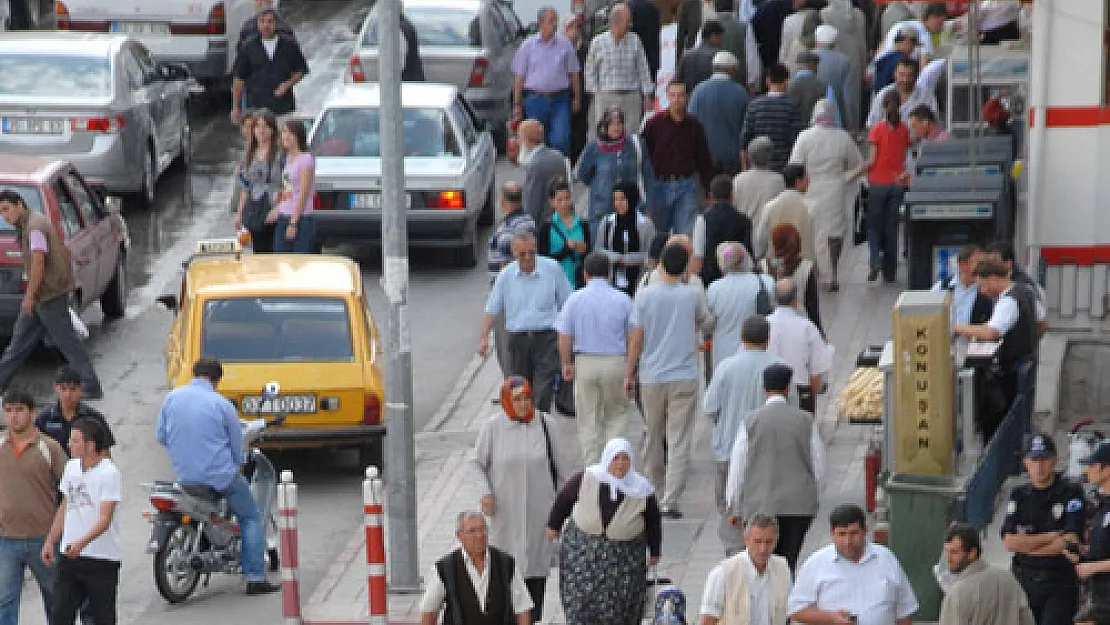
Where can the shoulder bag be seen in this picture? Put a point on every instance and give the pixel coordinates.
(256, 211)
(763, 304)
(550, 457)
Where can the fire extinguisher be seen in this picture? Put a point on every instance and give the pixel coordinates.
(873, 463)
(512, 140)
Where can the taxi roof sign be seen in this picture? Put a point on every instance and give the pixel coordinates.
(218, 246)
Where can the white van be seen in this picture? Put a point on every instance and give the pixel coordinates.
(203, 35)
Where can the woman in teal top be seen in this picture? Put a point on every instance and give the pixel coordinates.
(564, 238)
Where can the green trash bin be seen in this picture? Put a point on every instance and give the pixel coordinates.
(921, 509)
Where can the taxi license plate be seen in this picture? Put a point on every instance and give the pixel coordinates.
(288, 404)
(51, 126)
(373, 201)
(161, 29)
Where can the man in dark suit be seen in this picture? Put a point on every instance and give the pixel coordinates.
(542, 166)
(646, 23)
(777, 461)
(697, 64)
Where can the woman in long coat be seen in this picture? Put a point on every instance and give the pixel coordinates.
(518, 470)
(828, 154)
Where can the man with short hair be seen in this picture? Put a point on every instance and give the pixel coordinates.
(734, 392)
(56, 420)
(31, 465)
(663, 344)
(514, 219)
(267, 67)
(546, 84)
(789, 206)
(981, 594)
(529, 291)
(1094, 565)
(617, 73)
(721, 222)
(910, 94)
(839, 584)
(1004, 251)
(542, 166)
(968, 304)
(806, 87)
(593, 342)
(719, 103)
(250, 25)
(200, 430)
(835, 70)
(696, 65)
(905, 41)
(754, 187)
(798, 342)
(924, 125)
(927, 32)
(44, 311)
(734, 39)
(775, 115)
(751, 587)
(777, 465)
(475, 584)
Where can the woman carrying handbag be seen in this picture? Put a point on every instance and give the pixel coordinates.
(261, 174)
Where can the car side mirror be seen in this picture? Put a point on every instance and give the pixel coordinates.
(169, 301)
(172, 72)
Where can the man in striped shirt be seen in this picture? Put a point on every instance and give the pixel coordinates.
(775, 115)
(617, 72)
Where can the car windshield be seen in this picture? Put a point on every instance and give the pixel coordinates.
(70, 76)
(31, 197)
(276, 329)
(437, 26)
(357, 132)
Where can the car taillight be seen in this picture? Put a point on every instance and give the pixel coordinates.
(453, 199)
(61, 15)
(357, 75)
(478, 72)
(97, 124)
(163, 504)
(217, 20)
(371, 409)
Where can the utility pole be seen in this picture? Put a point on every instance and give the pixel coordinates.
(400, 452)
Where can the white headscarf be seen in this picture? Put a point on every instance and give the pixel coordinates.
(632, 484)
(823, 114)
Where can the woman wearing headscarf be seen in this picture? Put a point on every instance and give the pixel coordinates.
(786, 262)
(613, 157)
(828, 154)
(732, 298)
(625, 236)
(517, 470)
(608, 517)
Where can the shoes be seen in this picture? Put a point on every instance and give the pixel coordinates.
(92, 393)
(872, 275)
(670, 512)
(263, 587)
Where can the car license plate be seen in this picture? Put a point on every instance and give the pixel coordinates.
(161, 29)
(373, 201)
(50, 126)
(287, 404)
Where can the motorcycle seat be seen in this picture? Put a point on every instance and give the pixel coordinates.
(203, 492)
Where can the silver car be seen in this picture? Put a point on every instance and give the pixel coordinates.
(449, 168)
(466, 43)
(98, 101)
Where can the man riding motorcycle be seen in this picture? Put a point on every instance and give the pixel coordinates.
(200, 430)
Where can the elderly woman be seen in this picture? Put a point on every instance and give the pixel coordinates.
(625, 236)
(786, 262)
(612, 522)
(732, 299)
(828, 153)
(613, 157)
(518, 472)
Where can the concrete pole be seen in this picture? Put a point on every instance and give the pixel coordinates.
(400, 454)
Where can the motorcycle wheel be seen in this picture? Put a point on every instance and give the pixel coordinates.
(173, 576)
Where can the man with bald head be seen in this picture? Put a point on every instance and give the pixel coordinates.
(542, 166)
(796, 341)
(617, 72)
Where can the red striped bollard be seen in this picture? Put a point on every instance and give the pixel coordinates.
(287, 528)
(375, 545)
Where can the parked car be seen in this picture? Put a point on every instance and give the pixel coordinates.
(302, 320)
(449, 168)
(466, 43)
(95, 235)
(100, 102)
(201, 34)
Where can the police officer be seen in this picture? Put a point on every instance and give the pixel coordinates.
(1095, 564)
(1042, 517)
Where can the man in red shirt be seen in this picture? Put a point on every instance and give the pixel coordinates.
(889, 140)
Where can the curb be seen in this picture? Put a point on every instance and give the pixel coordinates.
(451, 402)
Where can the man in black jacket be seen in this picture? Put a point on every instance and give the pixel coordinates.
(697, 65)
(721, 222)
(266, 69)
(56, 420)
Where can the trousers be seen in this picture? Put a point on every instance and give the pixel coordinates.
(49, 318)
(792, 534)
(600, 404)
(17, 555)
(1052, 595)
(82, 580)
(553, 111)
(535, 355)
(669, 409)
(883, 202)
(732, 538)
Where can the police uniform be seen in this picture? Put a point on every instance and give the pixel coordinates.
(1050, 582)
(1099, 548)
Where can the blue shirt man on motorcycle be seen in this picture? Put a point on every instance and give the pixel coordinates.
(200, 429)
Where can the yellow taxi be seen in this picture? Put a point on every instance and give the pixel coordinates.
(300, 320)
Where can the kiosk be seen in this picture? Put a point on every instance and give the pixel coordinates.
(940, 221)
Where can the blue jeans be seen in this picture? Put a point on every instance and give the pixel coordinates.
(553, 111)
(16, 554)
(883, 202)
(674, 206)
(304, 242)
(251, 529)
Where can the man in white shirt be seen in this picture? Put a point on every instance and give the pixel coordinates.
(798, 343)
(968, 305)
(479, 604)
(751, 587)
(89, 561)
(852, 581)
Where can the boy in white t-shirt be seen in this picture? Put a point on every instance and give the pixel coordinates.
(88, 569)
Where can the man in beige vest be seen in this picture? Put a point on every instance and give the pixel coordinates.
(751, 587)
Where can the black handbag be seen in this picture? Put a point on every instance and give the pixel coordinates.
(763, 305)
(256, 211)
(563, 399)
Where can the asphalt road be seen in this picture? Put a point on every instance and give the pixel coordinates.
(445, 304)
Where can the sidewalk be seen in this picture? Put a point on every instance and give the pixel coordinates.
(858, 316)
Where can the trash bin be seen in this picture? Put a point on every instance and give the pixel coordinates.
(921, 509)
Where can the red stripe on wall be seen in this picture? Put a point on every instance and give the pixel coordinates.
(1074, 116)
(1083, 255)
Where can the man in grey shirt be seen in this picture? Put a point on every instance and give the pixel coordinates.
(663, 341)
(542, 166)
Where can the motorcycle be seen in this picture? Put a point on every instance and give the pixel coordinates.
(194, 533)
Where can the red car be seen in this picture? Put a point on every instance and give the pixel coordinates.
(95, 236)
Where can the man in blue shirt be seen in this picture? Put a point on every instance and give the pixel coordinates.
(719, 103)
(200, 430)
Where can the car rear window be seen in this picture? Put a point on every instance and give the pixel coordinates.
(438, 26)
(31, 196)
(276, 329)
(69, 76)
(356, 132)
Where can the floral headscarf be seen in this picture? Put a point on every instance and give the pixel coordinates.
(516, 385)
